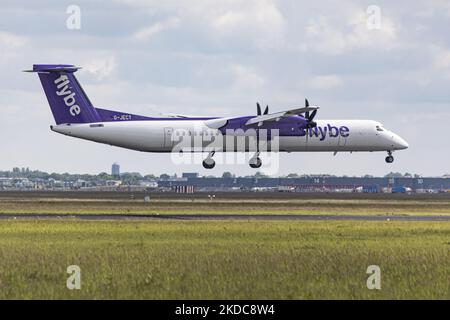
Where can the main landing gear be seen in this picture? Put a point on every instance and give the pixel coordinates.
(389, 158)
(209, 162)
(255, 162)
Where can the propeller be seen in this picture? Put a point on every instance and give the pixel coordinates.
(310, 120)
(310, 117)
(258, 109)
(258, 112)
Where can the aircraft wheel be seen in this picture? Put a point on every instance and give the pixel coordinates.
(255, 163)
(209, 163)
(389, 159)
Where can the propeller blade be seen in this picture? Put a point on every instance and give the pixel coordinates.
(266, 111)
(258, 109)
(313, 114)
(307, 105)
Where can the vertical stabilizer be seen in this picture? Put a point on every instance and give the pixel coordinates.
(67, 99)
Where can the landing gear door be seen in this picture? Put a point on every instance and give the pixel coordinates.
(168, 143)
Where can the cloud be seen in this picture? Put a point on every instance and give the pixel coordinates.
(442, 60)
(10, 46)
(361, 36)
(246, 78)
(219, 57)
(100, 67)
(259, 21)
(441, 65)
(325, 82)
(325, 36)
(146, 33)
(9, 40)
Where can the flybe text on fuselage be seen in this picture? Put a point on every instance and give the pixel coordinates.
(63, 89)
(323, 131)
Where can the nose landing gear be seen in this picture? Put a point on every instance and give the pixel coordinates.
(389, 158)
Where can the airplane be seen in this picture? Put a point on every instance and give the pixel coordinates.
(295, 130)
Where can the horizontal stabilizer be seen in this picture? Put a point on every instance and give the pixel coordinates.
(53, 68)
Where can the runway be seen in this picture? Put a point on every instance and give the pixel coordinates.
(198, 217)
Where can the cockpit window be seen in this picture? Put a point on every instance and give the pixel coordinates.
(379, 128)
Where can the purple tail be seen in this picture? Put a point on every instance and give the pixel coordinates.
(67, 99)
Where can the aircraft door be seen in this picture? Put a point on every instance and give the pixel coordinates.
(168, 143)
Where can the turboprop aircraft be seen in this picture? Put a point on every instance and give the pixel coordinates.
(295, 130)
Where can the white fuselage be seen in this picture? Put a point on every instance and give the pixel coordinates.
(165, 136)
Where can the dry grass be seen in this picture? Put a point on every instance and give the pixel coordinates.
(225, 206)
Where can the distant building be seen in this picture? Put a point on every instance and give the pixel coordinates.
(189, 175)
(115, 169)
(310, 184)
(183, 189)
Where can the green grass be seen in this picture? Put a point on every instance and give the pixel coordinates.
(224, 259)
(226, 206)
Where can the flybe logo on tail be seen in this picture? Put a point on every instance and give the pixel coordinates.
(63, 89)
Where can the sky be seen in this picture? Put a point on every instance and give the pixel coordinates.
(382, 60)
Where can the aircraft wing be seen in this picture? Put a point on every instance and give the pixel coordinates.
(221, 122)
(278, 115)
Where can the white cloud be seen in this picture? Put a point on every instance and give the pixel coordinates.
(223, 55)
(323, 37)
(330, 37)
(259, 21)
(246, 78)
(441, 63)
(100, 67)
(442, 60)
(325, 82)
(256, 22)
(361, 36)
(9, 40)
(156, 28)
(10, 46)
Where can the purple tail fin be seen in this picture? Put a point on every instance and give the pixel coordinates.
(67, 99)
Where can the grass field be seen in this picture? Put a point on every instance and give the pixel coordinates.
(252, 203)
(163, 259)
(224, 260)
